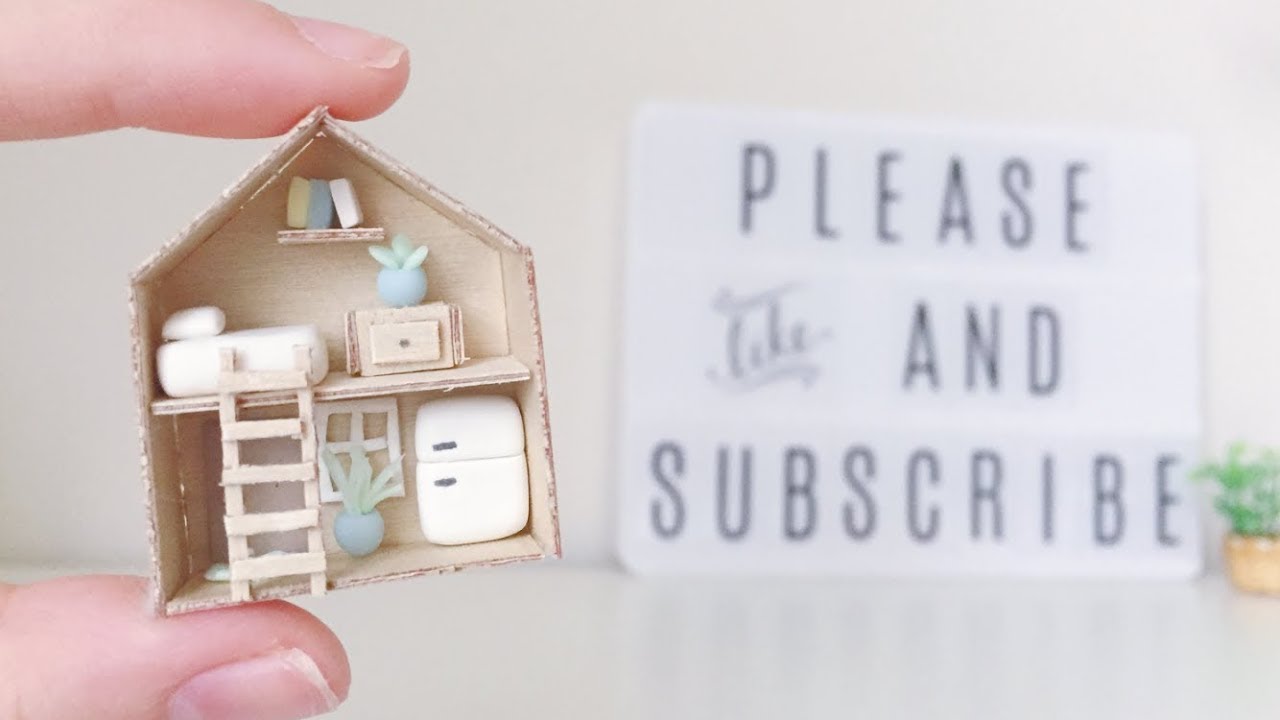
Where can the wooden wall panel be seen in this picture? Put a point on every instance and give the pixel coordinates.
(526, 346)
(259, 282)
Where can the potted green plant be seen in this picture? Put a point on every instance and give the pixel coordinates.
(359, 527)
(401, 281)
(1248, 496)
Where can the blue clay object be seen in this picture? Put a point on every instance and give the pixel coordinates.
(359, 535)
(320, 208)
(402, 288)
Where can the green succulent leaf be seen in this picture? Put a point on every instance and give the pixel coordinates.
(361, 492)
(384, 478)
(402, 246)
(361, 472)
(1248, 489)
(385, 255)
(341, 480)
(416, 258)
(386, 492)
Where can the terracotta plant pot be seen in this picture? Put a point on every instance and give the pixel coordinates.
(1253, 563)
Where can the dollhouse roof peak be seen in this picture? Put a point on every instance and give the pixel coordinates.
(317, 123)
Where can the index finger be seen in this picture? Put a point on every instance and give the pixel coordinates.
(226, 68)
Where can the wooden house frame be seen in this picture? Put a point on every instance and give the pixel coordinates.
(236, 257)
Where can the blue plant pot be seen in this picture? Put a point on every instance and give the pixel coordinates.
(359, 535)
(402, 288)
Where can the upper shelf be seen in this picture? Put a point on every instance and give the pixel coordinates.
(331, 235)
(341, 386)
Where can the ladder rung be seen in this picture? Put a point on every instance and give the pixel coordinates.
(254, 474)
(240, 382)
(260, 429)
(258, 523)
(270, 566)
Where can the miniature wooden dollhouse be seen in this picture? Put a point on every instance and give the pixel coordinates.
(231, 475)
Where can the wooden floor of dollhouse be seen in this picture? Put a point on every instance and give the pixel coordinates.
(389, 562)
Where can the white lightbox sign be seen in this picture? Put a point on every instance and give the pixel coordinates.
(897, 348)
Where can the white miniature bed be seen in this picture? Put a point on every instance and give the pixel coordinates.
(190, 367)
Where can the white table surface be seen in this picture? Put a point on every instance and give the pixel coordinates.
(562, 642)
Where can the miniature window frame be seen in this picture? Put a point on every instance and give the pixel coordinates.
(358, 409)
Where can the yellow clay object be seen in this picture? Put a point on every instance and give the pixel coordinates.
(299, 202)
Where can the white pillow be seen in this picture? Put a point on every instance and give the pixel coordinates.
(196, 322)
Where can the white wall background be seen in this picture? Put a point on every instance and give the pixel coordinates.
(522, 110)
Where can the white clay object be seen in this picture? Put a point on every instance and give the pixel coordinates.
(473, 481)
(187, 368)
(196, 322)
(473, 500)
(345, 203)
(468, 428)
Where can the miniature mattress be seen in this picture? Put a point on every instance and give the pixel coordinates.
(190, 367)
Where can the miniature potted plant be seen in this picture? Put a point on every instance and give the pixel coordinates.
(401, 281)
(1248, 496)
(359, 528)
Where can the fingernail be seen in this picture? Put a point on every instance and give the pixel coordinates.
(282, 686)
(353, 45)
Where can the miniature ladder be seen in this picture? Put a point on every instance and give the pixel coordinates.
(235, 476)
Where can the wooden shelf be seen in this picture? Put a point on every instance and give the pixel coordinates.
(331, 235)
(476, 372)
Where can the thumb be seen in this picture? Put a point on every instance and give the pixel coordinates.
(88, 647)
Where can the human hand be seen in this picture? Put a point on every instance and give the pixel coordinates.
(219, 68)
(89, 647)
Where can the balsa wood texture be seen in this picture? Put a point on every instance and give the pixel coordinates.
(240, 526)
(477, 372)
(235, 256)
(262, 429)
(390, 341)
(331, 235)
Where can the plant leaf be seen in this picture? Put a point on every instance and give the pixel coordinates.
(334, 466)
(385, 255)
(387, 492)
(402, 246)
(1248, 489)
(361, 473)
(340, 479)
(390, 471)
(416, 259)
